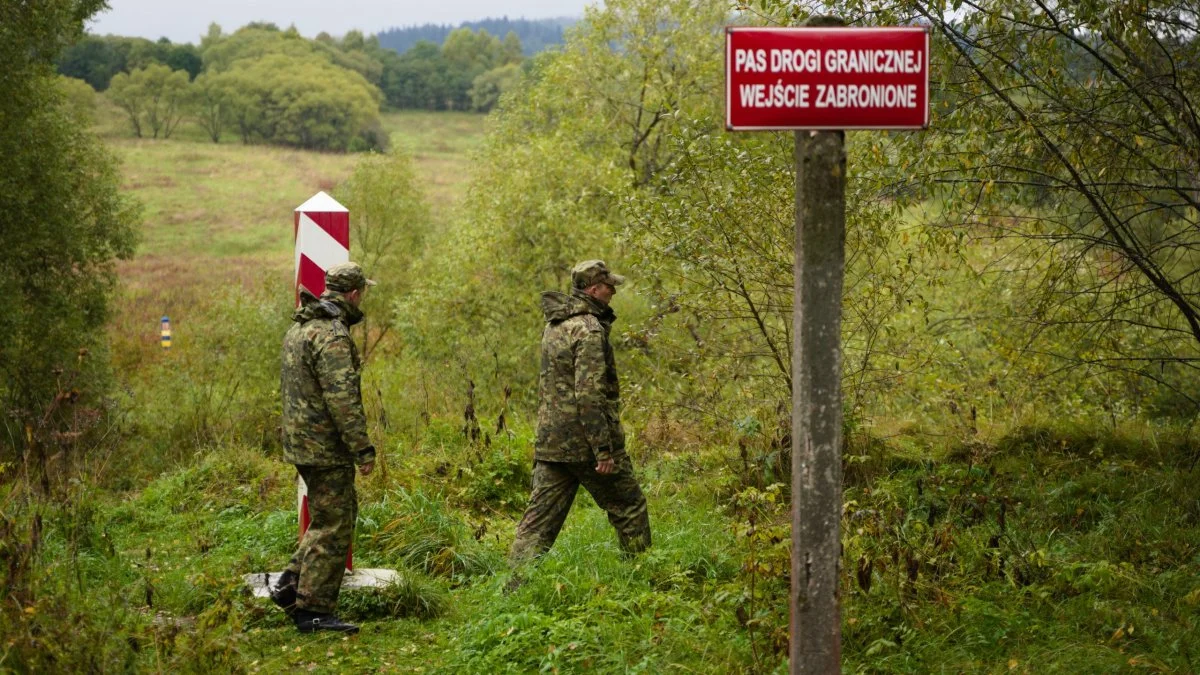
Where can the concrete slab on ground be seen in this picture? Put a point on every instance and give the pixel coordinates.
(261, 582)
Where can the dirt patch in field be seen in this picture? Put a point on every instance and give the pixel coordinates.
(192, 216)
(140, 182)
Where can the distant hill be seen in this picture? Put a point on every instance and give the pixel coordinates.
(536, 35)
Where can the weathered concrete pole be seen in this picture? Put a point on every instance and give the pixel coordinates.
(816, 626)
(764, 93)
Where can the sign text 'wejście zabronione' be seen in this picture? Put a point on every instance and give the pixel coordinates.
(827, 78)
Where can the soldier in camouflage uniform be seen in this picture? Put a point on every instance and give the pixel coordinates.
(579, 436)
(325, 436)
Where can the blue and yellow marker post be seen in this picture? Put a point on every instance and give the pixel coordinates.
(166, 332)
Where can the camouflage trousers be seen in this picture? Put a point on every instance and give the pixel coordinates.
(320, 559)
(554, 487)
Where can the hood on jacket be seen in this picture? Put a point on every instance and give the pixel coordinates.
(331, 305)
(557, 307)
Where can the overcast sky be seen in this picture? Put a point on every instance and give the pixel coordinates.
(187, 21)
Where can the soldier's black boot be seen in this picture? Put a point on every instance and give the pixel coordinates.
(311, 622)
(283, 593)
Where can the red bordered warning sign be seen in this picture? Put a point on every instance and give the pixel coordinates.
(826, 78)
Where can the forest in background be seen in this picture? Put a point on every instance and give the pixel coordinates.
(536, 35)
(1019, 330)
(279, 87)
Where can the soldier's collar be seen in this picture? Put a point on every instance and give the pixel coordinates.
(347, 313)
(599, 309)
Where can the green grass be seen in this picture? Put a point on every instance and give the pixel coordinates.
(1054, 550)
(441, 144)
(222, 200)
(1096, 568)
(176, 549)
(230, 200)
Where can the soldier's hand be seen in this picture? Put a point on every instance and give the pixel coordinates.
(366, 469)
(606, 466)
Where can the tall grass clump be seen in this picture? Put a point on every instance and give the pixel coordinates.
(425, 534)
(1053, 548)
(410, 595)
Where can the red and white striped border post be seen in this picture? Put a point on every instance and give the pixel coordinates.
(322, 230)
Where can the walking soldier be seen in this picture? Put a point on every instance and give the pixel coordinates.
(579, 436)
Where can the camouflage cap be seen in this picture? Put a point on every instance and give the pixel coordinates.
(592, 272)
(346, 277)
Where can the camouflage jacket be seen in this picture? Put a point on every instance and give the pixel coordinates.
(323, 419)
(579, 396)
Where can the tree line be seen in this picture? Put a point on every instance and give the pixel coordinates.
(272, 85)
(536, 35)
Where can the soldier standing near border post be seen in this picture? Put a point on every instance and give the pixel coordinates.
(579, 436)
(325, 436)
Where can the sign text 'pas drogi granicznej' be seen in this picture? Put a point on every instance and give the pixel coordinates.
(827, 78)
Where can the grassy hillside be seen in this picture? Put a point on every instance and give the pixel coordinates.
(220, 215)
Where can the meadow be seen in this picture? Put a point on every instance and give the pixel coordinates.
(1035, 541)
(219, 215)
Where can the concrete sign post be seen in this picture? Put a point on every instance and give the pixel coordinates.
(821, 80)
